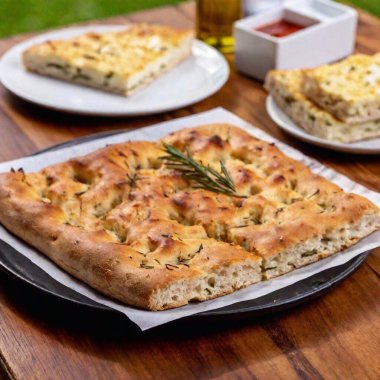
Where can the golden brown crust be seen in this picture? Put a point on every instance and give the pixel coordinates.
(129, 227)
(349, 89)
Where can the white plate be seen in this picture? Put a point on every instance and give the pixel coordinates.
(196, 78)
(284, 122)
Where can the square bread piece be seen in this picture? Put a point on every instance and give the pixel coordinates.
(119, 61)
(121, 221)
(349, 90)
(286, 88)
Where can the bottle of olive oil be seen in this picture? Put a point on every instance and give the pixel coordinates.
(215, 20)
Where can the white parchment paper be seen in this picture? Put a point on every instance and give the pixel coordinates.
(149, 319)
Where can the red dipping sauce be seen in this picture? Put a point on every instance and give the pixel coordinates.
(280, 28)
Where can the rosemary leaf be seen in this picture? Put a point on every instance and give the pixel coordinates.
(203, 177)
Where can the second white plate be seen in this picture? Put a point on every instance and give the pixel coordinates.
(284, 122)
(196, 78)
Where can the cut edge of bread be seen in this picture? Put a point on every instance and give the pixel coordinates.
(222, 281)
(319, 248)
(339, 132)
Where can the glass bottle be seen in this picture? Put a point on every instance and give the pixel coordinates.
(215, 20)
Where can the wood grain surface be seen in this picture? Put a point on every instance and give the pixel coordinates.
(334, 337)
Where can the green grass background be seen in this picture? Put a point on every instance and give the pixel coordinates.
(372, 6)
(19, 16)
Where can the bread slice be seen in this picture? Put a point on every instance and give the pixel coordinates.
(127, 225)
(286, 88)
(306, 232)
(121, 62)
(349, 90)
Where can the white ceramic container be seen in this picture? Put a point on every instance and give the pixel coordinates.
(329, 35)
(255, 6)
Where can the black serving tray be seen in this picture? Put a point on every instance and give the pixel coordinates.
(20, 267)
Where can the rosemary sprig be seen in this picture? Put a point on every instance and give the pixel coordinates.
(203, 177)
(132, 179)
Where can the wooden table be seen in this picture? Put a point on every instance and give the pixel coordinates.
(335, 337)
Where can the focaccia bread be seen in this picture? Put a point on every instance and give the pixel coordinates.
(123, 222)
(286, 88)
(118, 61)
(349, 90)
